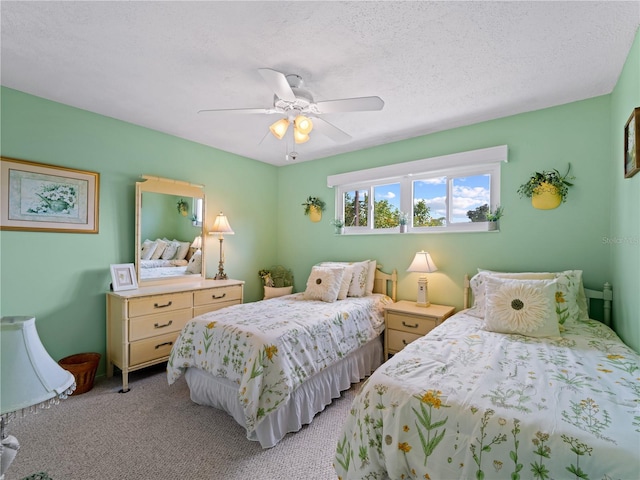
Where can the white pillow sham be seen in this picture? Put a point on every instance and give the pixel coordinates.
(148, 247)
(195, 263)
(160, 246)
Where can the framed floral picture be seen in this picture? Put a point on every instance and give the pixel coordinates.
(47, 198)
(632, 144)
(123, 277)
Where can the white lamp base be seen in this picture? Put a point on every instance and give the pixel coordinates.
(8, 450)
(423, 299)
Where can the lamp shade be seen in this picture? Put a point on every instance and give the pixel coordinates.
(221, 225)
(303, 124)
(422, 263)
(197, 242)
(29, 375)
(279, 128)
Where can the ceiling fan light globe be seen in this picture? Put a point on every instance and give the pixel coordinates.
(303, 124)
(279, 128)
(300, 137)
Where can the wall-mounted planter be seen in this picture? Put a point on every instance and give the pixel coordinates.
(546, 197)
(315, 214)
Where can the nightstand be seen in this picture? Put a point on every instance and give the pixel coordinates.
(405, 322)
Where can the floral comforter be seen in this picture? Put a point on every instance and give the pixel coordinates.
(465, 403)
(270, 347)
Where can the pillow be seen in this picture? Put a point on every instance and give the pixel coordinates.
(148, 247)
(324, 283)
(571, 301)
(358, 286)
(182, 250)
(346, 282)
(477, 284)
(170, 250)
(195, 263)
(160, 246)
(525, 307)
(371, 276)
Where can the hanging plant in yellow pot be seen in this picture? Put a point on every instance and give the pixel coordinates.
(314, 207)
(547, 189)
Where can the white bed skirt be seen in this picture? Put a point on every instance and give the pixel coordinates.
(308, 399)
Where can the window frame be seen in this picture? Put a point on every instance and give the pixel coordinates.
(465, 164)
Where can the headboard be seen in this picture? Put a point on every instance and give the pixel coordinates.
(606, 295)
(381, 283)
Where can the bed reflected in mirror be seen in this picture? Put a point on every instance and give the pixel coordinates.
(169, 231)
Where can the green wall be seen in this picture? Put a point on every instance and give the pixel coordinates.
(624, 247)
(62, 278)
(569, 237)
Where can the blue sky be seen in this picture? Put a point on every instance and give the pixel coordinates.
(468, 194)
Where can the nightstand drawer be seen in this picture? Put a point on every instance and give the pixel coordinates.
(410, 323)
(152, 325)
(218, 295)
(151, 349)
(159, 304)
(398, 340)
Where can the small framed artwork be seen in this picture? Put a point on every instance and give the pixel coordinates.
(632, 144)
(123, 277)
(47, 198)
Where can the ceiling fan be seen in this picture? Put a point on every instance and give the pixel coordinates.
(296, 106)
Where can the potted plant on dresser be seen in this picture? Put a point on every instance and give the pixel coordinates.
(277, 281)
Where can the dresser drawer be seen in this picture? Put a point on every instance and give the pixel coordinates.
(410, 324)
(152, 325)
(159, 304)
(151, 348)
(213, 306)
(398, 340)
(218, 295)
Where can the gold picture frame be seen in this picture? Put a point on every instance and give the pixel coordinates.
(46, 198)
(632, 144)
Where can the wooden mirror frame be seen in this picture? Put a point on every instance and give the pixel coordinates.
(170, 187)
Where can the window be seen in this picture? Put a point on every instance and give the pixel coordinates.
(449, 193)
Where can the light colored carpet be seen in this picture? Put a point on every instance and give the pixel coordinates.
(155, 431)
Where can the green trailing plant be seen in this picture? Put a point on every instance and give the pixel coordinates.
(313, 202)
(552, 177)
(183, 207)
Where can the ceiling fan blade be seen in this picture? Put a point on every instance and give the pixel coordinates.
(278, 83)
(331, 131)
(239, 110)
(358, 104)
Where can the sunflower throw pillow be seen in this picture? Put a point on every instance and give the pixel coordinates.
(525, 307)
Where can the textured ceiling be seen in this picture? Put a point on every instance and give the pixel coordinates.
(437, 65)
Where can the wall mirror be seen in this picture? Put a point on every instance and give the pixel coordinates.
(169, 231)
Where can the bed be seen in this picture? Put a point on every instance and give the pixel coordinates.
(164, 258)
(274, 364)
(487, 394)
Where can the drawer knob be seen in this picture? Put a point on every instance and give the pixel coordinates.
(157, 325)
(218, 296)
(163, 306)
(164, 344)
(409, 326)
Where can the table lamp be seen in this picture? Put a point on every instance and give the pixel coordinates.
(30, 379)
(221, 227)
(422, 263)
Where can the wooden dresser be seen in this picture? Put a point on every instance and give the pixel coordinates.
(143, 324)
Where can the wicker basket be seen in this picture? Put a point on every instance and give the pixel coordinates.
(83, 366)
